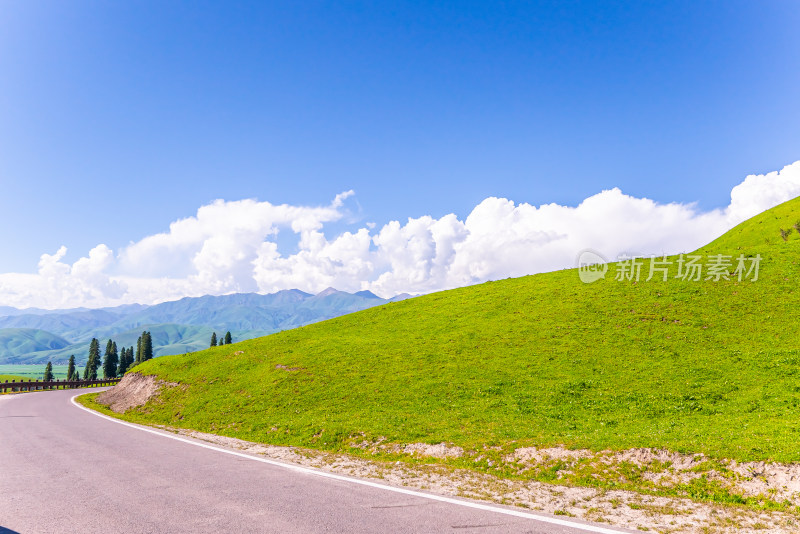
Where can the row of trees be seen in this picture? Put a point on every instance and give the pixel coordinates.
(227, 340)
(115, 362)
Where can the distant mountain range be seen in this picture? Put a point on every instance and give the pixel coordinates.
(185, 325)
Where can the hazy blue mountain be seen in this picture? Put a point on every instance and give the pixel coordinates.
(178, 326)
(248, 311)
(74, 325)
(241, 311)
(8, 310)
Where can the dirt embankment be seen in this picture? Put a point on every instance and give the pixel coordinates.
(132, 391)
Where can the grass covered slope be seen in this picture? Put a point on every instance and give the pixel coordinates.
(16, 342)
(543, 360)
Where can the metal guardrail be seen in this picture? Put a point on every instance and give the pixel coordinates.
(37, 385)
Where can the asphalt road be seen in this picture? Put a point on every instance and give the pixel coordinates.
(64, 470)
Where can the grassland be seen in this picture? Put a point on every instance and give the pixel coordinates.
(9, 378)
(29, 371)
(705, 366)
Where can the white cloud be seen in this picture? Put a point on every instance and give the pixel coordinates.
(60, 285)
(230, 246)
(762, 191)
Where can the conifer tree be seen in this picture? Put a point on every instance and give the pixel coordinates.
(93, 363)
(110, 360)
(87, 370)
(48, 372)
(214, 339)
(228, 338)
(147, 346)
(71, 374)
(139, 349)
(123, 362)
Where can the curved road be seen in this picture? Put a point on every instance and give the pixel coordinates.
(64, 470)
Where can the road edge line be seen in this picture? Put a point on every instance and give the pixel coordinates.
(352, 480)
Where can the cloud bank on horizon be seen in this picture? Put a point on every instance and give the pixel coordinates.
(230, 247)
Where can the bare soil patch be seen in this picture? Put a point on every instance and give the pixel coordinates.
(440, 450)
(668, 469)
(132, 391)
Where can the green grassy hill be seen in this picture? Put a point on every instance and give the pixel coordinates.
(691, 366)
(16, 342)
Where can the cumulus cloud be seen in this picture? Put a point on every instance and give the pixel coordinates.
(231, 246)
(59, 285)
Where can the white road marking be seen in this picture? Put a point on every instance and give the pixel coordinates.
(317, 472)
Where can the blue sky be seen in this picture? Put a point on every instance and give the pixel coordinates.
(119, 118)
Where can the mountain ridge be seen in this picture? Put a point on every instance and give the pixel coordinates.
(245, 315)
